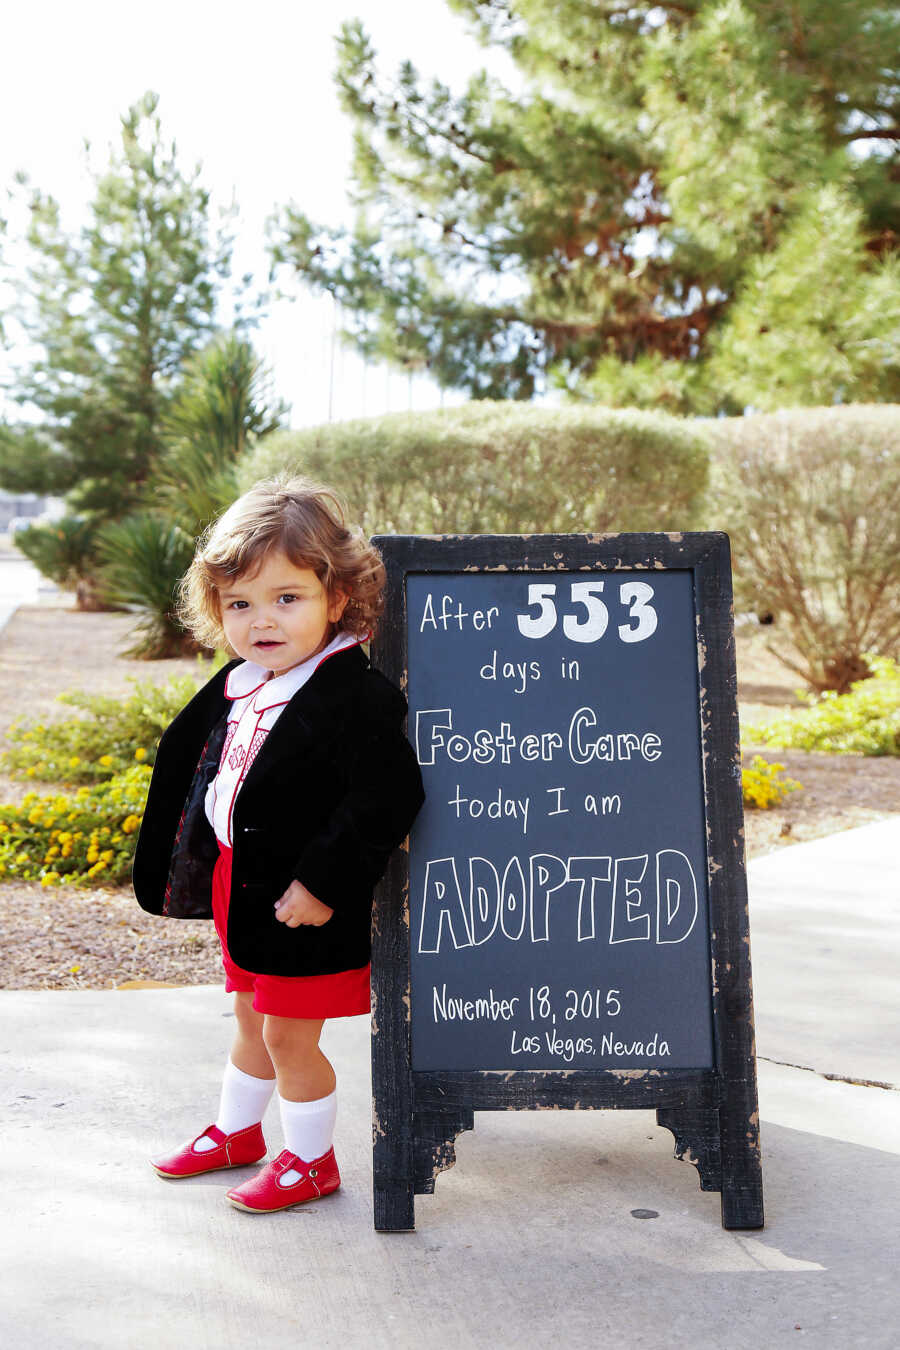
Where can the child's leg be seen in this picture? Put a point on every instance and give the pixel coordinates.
(249, 1078)
(247, 1087)
(301, 1068)
(306, 1084)
(248, 1050)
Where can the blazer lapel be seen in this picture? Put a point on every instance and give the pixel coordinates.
(314, 714)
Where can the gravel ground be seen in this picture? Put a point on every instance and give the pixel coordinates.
(100, 939)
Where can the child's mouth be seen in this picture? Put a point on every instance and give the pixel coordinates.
(267, 645)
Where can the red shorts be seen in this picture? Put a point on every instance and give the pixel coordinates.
(345, 994)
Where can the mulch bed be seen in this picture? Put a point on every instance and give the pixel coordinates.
(73, 939)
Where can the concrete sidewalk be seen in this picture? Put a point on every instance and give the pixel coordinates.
(21, 584)
(532, 1237)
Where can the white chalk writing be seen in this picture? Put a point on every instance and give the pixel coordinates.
(595, 897)
(435, 736)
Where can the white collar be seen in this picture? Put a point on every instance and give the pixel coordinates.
(249, 678)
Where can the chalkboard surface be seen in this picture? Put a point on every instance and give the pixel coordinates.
(558, 901)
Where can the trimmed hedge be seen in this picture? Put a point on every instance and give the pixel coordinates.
(502, 468)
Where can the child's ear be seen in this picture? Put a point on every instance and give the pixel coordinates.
(337, 605)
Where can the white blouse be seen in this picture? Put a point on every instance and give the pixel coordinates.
(257, 703)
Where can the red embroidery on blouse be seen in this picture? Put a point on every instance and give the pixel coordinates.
(229, 737)
(237, 757)
(255, 747)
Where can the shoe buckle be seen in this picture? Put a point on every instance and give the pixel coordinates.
(313, 1172)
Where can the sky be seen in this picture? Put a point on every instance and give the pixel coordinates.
(248, 91)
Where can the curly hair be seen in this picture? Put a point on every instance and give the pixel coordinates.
(305, 520)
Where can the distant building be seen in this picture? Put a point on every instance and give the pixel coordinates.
(22, 506)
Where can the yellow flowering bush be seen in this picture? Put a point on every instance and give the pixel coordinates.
(81, 838)
(763, 784)
(105, 736)
(864, 721)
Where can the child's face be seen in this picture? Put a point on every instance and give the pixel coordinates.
(280, 616)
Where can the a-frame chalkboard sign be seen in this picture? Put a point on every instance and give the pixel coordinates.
(568, 928)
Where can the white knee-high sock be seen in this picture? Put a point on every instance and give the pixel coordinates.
(309, 1126)
(244, 1099)
(243, 1102)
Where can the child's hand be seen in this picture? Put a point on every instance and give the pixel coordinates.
(299, 906)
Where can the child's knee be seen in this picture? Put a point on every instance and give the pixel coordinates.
(290, 1034)
(276, 1034)
(249, 1020)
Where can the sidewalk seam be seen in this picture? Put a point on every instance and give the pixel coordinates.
(832, 1077)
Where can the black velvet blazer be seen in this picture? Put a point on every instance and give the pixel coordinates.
(330, 795)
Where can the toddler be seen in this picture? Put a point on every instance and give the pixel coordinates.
(277, 797)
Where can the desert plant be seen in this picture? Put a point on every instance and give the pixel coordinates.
(223, 404)
(85, 834)
(143, 558)
(83, 838)
(493, 467)
(763, 784)
(105, 736)
(811, 499)
(864, 721)
(65, 552)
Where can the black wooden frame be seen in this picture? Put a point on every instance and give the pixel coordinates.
(712, 1113)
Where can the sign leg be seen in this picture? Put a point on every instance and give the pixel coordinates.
(392, 1119)
(723, 1145)
(742, 1198)
(394, 1206)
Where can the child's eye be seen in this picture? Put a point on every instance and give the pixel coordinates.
(237, 604)
(286, 598)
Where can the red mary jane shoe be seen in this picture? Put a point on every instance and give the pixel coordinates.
(232, 1150)
(269, 1190)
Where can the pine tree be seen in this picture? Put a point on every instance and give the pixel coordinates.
(604, 228)
(811, 323)
(113, 311)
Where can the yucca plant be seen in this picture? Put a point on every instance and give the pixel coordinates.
(143, 559)
(190, 490)
(223, 404)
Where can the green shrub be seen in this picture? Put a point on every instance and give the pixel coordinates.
(143, 559)
(763, 785)
(107, 735)
(865, 721)
(65, 552)
(84, 838)
(811, 499)
(492, 467)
